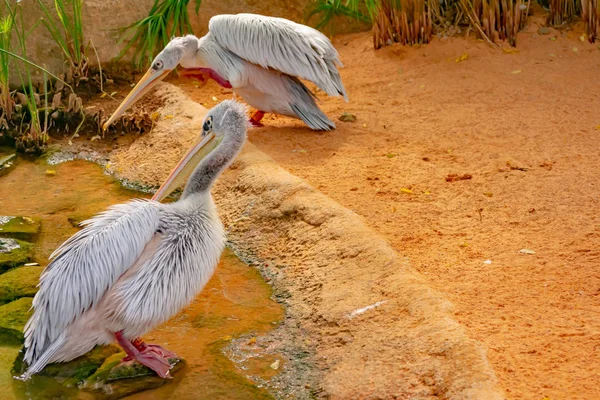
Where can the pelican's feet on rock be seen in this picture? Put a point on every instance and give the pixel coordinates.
(156, 361)
(159, 350)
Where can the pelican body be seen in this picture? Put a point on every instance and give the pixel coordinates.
(137, 264)
(261, 58)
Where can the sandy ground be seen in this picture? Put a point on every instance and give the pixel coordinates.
(523, 125)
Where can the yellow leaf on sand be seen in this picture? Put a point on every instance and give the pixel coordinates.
(463, 57)
(516, 71)
(405, 190)
(113, 93)
(50, 172)
(598, 127)
(252, 341)
(168, 117)
(510, 50)
(214, 98)
(155, 115)
(103, 95)
(575, 50)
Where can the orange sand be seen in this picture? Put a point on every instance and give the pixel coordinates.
(524, 126)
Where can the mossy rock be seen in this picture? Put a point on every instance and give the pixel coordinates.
(100, 372)
(13, 317)
(13, 253)
(73, 372)
(19, 282)
(115, 379)
(24, 228)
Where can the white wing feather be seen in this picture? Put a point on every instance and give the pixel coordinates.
(280, 44)
(84, 267)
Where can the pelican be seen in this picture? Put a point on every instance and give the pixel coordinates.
(137, 264)
(261, 58)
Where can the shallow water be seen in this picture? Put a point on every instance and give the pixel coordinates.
(235, 302)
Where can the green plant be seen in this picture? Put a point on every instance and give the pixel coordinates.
(166, 19)
(32, 129)
(327, 9)
(6, 101)
(71, 39)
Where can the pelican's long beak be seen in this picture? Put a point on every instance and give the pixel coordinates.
(186, 166)
(149, 79)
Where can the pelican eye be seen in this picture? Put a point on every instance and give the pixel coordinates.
(157, 65)
(208, 125)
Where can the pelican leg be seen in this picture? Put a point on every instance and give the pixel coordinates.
(257, 117)
(142, 346)
(194, 72)
(147, 356)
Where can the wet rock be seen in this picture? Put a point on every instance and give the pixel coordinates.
(347, 117)
(69, 374)
(19, 282)
(100, 372)
(24, 228)
(13, 253)
(7, 160)
(544, 30)
(13, 317)
(114, 379)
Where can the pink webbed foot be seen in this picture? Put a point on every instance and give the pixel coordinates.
(256, 118)
(202, 74)
(160, 351)
(154, 357)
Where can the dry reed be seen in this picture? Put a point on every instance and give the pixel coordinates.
(497, 19)
(590, 13)
(562, 11)
(401, 21)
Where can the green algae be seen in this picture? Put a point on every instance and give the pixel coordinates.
(24, 228)
(19, 282)
(127, 378)
(19, 256)
(13, 317)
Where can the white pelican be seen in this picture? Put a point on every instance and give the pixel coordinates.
(137, 264)
(261, 58)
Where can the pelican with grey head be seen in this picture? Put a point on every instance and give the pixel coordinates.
(261, 58)
(137, 264)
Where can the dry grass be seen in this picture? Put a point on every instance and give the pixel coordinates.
(562, 11)
(497, 19)
(401, 21)
(590, 13)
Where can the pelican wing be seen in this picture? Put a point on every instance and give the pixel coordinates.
(280, 44)
(84, 267)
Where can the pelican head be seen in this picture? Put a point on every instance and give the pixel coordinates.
(224, 129)
(178, 49)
